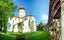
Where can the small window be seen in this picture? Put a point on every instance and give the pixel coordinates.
(21, 12)
(9, 25)
(13, 21)
(52, 29)
(25, 18)
(22, 24)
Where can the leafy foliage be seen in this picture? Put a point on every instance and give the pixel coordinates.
(7, 9)
(40, 26)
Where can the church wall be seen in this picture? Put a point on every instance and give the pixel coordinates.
(20, 20)
(25, 27)
(62, 20)
(16, 28)
(32, 24)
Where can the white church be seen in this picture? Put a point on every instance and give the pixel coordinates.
(22, 23)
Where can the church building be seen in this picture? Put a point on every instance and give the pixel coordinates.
(22, 23)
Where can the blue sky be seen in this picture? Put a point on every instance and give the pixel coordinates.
(38, 8)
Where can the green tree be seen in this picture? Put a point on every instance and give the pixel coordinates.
(40, 26)
(7, 8)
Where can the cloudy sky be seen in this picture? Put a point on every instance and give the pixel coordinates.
(38, 8)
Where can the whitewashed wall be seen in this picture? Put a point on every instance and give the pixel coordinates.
(62, 21)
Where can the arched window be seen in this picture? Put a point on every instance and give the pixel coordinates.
(9, 26)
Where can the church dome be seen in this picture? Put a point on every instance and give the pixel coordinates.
(21, 7)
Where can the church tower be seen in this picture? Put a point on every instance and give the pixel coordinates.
(21, 11)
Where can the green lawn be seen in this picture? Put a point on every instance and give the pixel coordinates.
(39, 35)
(6, 37)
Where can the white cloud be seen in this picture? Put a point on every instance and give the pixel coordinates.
(44, 18)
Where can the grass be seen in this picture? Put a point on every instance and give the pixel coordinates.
(6, 37)
(41, 35)
(38, 35)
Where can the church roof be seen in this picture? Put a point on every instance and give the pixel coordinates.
(21, 7)
(24, 16)
(16, 16)
(30, 15)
